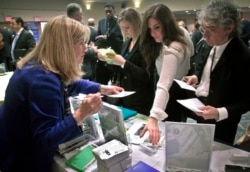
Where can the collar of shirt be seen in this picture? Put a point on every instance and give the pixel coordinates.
(220, 49)
(19, 32)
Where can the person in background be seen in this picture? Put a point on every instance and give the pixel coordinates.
(91, 22)
(218, 77)
(109, 35)
(35, 116)
(74, 11)
(2, 44)
(5, 51)
(199, 47)
(197, 35)
(109, 30)
(168, 47)
(181, 23)
(130, 66)
(245, 30)
(26, 27)
(23, 41)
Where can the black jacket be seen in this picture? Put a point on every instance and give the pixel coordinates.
(228, 88)
(133, 77)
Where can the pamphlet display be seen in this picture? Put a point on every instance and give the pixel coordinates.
(188, 146)
(112, 124)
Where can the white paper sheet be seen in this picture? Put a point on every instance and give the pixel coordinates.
(122, 94)
(184, 85)
(192, 104)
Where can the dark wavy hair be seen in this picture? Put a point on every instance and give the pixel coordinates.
(171, 32)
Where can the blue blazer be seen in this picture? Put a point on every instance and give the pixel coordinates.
(32, 121)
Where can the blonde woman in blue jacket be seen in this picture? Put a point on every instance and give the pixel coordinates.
(34, 118)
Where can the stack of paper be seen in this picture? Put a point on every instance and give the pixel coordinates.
(112, 156)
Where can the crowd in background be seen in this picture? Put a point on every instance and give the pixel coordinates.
(150, 51)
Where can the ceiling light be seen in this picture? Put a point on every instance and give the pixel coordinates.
(137, 4)
(88, 6)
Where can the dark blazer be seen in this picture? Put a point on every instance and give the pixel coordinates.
(114, 40)
(93, 34)
(114, 37)
(90, 58)
(25, 41)
(229, 89)
(245, 32)
(134, 77)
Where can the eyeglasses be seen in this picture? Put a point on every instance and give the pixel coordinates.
(208, 28)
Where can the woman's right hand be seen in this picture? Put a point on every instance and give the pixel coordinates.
(191, 80)
(90, 105)
(153, 129)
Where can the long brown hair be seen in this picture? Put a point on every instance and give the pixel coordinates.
(171, 32)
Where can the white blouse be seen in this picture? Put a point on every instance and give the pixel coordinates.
(173, 63)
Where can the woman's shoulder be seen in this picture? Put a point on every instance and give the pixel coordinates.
(174, 46)
(37, 74)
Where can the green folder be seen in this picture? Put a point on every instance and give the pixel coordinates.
(82, 159)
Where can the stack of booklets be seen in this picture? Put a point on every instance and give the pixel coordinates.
(89, 133)
(112, 156)
(73, 144)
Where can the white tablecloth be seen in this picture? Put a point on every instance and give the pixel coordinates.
(4, 80)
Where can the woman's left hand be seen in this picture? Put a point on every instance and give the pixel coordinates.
(208, 112)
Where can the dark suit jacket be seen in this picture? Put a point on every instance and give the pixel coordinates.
(245, 32)
(133, 77)
(90, 58)
(93, 34)
(25, 41)
(115, 39)
(229, 88)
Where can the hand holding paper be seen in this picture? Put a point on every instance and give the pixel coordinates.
(105, 52)
(193, 104)
(184, 85)
(122, 94)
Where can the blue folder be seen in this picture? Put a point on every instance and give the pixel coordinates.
(141, 167)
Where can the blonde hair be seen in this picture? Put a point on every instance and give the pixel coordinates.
(55, 50)
(134, 17)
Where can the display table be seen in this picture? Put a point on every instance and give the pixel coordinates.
(222, 154)
(4, 80)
